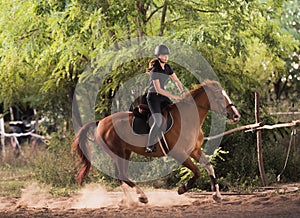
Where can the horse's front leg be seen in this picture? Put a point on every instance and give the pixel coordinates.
(127, 200)
(142, 196)
(213, 181)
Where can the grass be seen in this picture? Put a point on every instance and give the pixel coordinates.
(15, 173)
(13, 179)
(12, 188)
(54, 166)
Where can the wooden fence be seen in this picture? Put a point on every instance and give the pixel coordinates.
(14, 136)
(258, 126)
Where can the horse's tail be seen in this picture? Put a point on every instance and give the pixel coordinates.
(80, 144)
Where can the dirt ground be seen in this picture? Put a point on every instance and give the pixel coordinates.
(94, 201)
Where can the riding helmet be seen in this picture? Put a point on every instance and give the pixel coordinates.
(161, 50)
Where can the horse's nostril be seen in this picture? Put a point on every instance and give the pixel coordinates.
(236, 117)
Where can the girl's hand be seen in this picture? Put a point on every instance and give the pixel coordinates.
(177, 97)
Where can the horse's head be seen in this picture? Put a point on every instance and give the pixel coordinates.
(220, 102)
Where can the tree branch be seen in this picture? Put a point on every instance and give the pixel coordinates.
(175, 20)
(207, 11)
(28, 34)
(153, 12)
(202, 10)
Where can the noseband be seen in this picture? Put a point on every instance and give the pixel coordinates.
(224, 110)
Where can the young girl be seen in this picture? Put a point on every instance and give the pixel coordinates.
(159, 72)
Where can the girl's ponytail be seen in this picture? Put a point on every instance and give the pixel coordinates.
(151, 64)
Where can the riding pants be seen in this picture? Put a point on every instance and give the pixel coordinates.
(154, 102)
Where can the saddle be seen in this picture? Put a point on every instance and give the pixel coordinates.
(142, 122)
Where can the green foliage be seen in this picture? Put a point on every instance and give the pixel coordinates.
(183, 174)
(47, 52)
(57, 166)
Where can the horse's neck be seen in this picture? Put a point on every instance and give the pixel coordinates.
(202, 115)
(191, 107)
(202, 103)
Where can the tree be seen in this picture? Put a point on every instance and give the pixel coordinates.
(45, 55)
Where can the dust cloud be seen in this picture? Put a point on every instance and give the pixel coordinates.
(95, 196)
(34, 196)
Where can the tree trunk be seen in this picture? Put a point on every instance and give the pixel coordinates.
(163, 18)
(279, 88)
(141, 20)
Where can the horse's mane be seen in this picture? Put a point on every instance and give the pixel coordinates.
(200, 88)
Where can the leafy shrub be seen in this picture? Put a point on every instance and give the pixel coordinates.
(57, 165)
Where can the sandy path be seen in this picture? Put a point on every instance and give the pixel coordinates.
(94, 201)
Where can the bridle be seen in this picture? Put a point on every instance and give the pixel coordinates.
(224, 110)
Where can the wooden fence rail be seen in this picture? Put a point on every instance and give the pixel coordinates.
(14, 136)
(254, 127)
(24, 134)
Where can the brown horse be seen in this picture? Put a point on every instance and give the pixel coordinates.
(114, 135)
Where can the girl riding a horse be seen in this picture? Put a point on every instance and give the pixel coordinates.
(159, 72)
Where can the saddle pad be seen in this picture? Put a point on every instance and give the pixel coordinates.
(140, 125)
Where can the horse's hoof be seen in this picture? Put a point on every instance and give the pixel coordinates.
(127, 204)
(143, 200)
(122, 204)
(182, 189)
(217, 198)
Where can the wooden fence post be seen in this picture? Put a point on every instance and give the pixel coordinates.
(259, 143)
(2, 131)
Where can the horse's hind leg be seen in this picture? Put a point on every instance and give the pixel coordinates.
(213, 181)
(191, 183)
(122, 166)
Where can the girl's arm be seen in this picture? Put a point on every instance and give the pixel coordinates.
(177, 82)
(161, 91)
